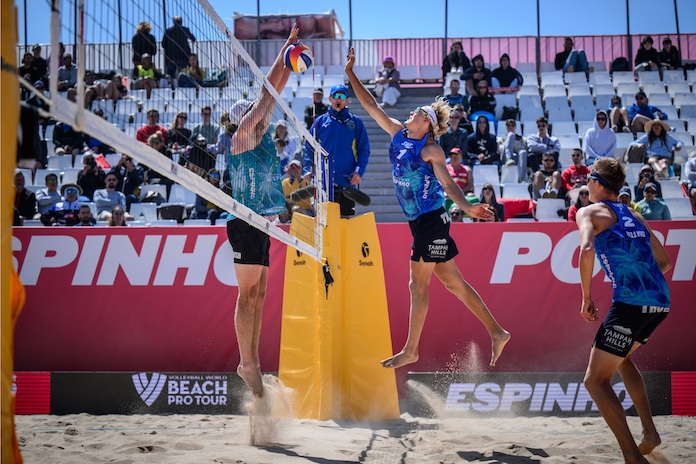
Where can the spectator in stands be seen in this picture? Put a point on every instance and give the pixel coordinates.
(68, 139)
(625, 198)
(462, 109)
(692, 197)
(582, 201)
(67, 74)
(115, 89)
(462, 174)
(225, 133)
(179, 137)
(27, 70)
(199, 157)
(387, 84)
(206, 128)
(455, 213)
(541, 143)
(489, 197)
(641, 113)
(513, 150)
(94, 144)
(455, 61)
(204, 209)
(689, 172)
(94, 90)
(175, 44)
(118, 217)
(143, 42)
(35, 101)
(454, 97)
(575, 176)
(145, 75)
(652, 207)
(646, 58)
(476, 73)
(618, 115)
(658, 144)
(455, 136)
(506, 76)
(106, 199)
(344, 136)
(281, 133)
(294, 181)
(61, 54)
(64, 213)
(152, 127)
(130, 176)
(38, 63)
(481, 145)
(547, 182)
(646, 176)
(316, 109)
(669, 57)
(49, 196)
(600, 140)
(192, 75)
(24, 200)
(84, 216)
(92, 177)
(570, 60)
(156, 142)
(483, 104)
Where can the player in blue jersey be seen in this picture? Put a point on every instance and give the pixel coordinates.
(634, 260)
(420, 174)
(255, 180)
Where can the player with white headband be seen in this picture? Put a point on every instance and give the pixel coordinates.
(420, 175)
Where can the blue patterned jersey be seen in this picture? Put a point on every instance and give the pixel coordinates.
(626, 256)
(417, 188)
(255, 177)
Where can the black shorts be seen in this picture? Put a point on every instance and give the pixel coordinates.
(626, 324)
(250, 245)
(346, 205)
(431, 239)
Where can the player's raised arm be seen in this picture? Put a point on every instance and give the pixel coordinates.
(391, 126)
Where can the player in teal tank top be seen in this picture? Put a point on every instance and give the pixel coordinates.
(420, 177)
(255, 178)
(635, 261)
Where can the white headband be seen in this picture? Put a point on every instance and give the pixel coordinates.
(431, 115)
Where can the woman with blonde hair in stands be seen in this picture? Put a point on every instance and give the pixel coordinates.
(118, 218)
(420, 179)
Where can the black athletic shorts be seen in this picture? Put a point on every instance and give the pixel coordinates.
(626, 324)
(250, 245)
(431, 239)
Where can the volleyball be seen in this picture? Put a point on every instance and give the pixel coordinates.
(298, 57)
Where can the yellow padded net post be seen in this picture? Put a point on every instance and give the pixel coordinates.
(333, 335)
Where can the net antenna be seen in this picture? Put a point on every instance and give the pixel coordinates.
(230, 75)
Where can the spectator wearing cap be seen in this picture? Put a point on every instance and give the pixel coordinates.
(582, 201)
(316, 109)
(640, 113)
(669, 56)
(294, 181)
(652, 207)
(64, 213)
(67, 74)
(387, 83)
(38, 62)
(645, 176)
(35, 101)
(145, 75)
(455, 136)
(625, 198)
(343, 135)
(658, 145)
(49, 196)
(462, 175)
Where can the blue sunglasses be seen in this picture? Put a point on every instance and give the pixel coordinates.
(339, 96)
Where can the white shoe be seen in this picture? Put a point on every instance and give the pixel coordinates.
(626, 129)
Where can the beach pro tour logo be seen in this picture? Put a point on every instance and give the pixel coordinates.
(149, 390)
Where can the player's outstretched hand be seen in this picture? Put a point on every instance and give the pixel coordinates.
(294, 34)
(351, 59)
(481, 211)
(588, 310)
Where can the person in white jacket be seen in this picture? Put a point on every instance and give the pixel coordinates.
(600, 140)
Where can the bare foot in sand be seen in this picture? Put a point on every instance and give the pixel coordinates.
(649, 442)
(399, 359)
(252, 378)
(497, 344)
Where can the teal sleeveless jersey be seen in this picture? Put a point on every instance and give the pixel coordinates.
(626, 256)
(255, 178)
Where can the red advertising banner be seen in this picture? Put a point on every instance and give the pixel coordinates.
(32, 392)
(162, 299)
